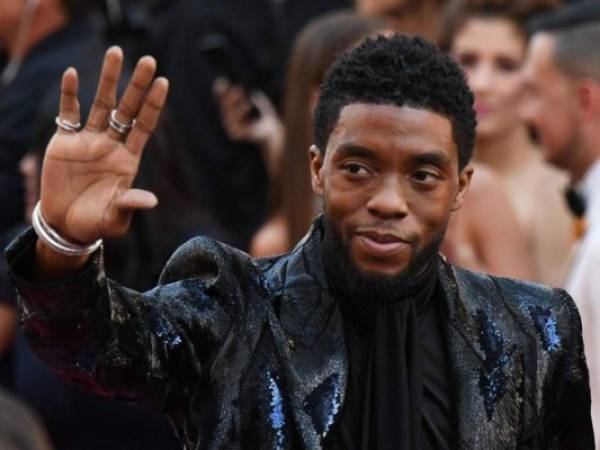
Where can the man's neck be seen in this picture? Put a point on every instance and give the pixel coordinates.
(585, 154)
(581, 168)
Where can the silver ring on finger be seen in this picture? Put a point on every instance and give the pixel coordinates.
(67, 125)
(118, 126)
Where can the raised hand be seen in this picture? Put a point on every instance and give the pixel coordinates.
(243, 125)
(87, 176)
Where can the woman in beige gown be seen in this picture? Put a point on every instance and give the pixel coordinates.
(489, 41)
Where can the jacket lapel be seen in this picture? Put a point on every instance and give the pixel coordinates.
(307, 324)
(485, 360)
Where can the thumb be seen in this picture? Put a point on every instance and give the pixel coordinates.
(136, 199)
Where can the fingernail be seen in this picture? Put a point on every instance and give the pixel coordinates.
(115, 49)
(148, 58)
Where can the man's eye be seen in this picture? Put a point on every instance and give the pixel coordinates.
(424, 176)
(355, 169)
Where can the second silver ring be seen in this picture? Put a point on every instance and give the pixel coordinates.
(118, 126)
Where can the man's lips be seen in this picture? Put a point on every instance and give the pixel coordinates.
(380, 244)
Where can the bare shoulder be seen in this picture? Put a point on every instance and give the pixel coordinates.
(486, 186)
(484, 177)
(271, 239)
(545, 175)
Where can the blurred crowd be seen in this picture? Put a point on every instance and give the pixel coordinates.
(229, 158)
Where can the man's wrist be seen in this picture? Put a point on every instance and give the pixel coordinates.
(55, 240)
(50, 265)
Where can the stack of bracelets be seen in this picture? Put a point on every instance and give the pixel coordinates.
(55, 241)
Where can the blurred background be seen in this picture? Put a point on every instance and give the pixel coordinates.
(229, 157)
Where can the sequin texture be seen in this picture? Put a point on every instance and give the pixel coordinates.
(492, 376)
(167, 335)
(324, 403)
(276, 416)
(545, 324)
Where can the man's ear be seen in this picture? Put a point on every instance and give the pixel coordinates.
(316, 159)
(464, 181)
(588, 96)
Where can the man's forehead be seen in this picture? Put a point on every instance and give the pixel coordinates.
(385, 115)
(383, 125)
(541, 70)
(541, 50)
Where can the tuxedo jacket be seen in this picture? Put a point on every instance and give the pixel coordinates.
(250, 354)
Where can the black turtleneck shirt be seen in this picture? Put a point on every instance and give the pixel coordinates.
(436, 420)
(366, 423)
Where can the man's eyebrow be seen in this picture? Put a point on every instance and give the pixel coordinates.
(433, 157)
(349, 150)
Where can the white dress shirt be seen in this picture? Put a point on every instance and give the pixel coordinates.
(583, 283)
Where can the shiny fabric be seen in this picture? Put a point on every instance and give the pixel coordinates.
(436, 415)
(384, 398)
(244, 354)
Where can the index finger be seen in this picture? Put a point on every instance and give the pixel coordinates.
(69, 104)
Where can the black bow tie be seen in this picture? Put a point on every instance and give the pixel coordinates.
(575, 201)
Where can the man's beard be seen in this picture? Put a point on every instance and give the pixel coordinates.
(348, 280)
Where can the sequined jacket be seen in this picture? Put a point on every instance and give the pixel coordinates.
(250, 354)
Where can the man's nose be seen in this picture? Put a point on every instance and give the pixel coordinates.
(389, 200)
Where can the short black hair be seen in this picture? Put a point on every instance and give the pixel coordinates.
(402, 71)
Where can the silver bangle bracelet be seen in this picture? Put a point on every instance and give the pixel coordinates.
(55, 241)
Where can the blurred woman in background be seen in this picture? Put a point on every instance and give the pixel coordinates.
(488, 40)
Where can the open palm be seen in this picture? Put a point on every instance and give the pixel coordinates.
(87, 176)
